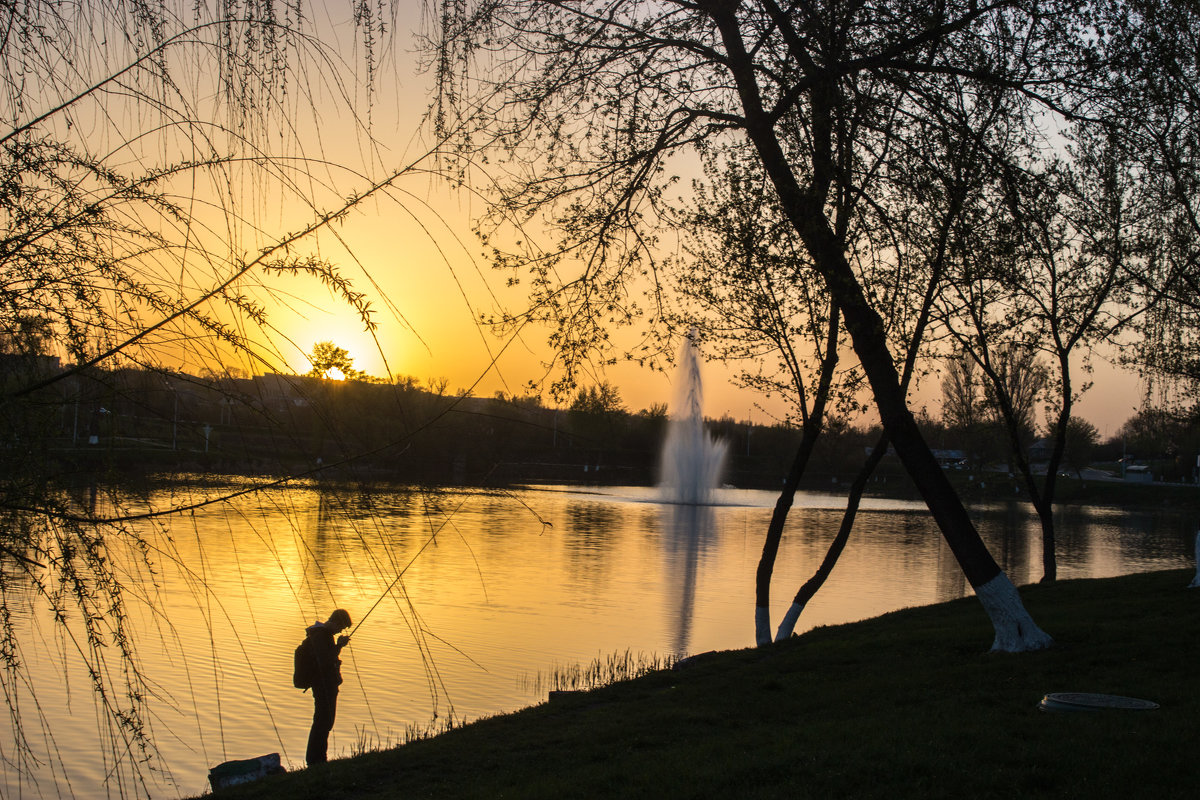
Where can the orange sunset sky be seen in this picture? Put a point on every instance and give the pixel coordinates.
(413, 252)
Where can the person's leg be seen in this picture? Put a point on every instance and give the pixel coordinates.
(324, 712)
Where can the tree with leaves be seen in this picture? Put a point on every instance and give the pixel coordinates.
(964, 411)
(1156, 140)
(831, 99)
(1082, 438)
(330, 361)
(602, 398)
(748, 282)
(748, 289)
(929, 194)
(1043, 282)
(144, 169)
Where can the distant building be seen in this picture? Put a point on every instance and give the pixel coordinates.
(279, 391)
(1138, 473)
(951, 459)
(1040, 450)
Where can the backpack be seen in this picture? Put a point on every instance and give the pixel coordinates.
(304, 667)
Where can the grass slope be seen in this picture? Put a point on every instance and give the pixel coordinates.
(905, 705)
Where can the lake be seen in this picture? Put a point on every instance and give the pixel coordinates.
(470, 601)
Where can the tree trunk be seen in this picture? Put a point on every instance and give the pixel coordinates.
(788, 624)
(1049, 544)
(1045, 511)
(1015, 629)
(766, 562)
(1041, 497)
(812, 431)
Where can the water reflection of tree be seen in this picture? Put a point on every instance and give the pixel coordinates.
(951, 584)
(1006, 529)
(1102, 540)
(588, 537)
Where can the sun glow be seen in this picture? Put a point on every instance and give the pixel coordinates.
(345, 331)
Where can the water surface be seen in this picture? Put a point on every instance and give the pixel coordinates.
(469, 596)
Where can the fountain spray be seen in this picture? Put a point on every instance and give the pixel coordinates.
(693, 462)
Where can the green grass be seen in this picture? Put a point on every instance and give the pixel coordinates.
(905, 705)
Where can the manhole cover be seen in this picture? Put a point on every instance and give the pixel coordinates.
(1086, 701)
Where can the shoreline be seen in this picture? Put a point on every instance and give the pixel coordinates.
(987, 487)
(907, 704)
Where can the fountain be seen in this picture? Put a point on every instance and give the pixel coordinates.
(692, 460)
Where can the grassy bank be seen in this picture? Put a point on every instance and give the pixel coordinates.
(906, 705)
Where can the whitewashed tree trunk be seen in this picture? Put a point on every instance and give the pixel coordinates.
(1196, 580)
(1016, 631)
(762, 626)
(787, 626)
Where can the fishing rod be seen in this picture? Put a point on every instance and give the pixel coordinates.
(411, 561)
(428, 542)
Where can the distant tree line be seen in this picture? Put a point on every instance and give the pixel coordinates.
(121, 424)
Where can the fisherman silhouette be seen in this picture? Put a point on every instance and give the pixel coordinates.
(326, 679)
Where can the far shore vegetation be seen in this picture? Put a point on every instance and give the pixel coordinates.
(132, 423)
(904, 705)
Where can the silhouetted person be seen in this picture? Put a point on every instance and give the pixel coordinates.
(329, 677)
